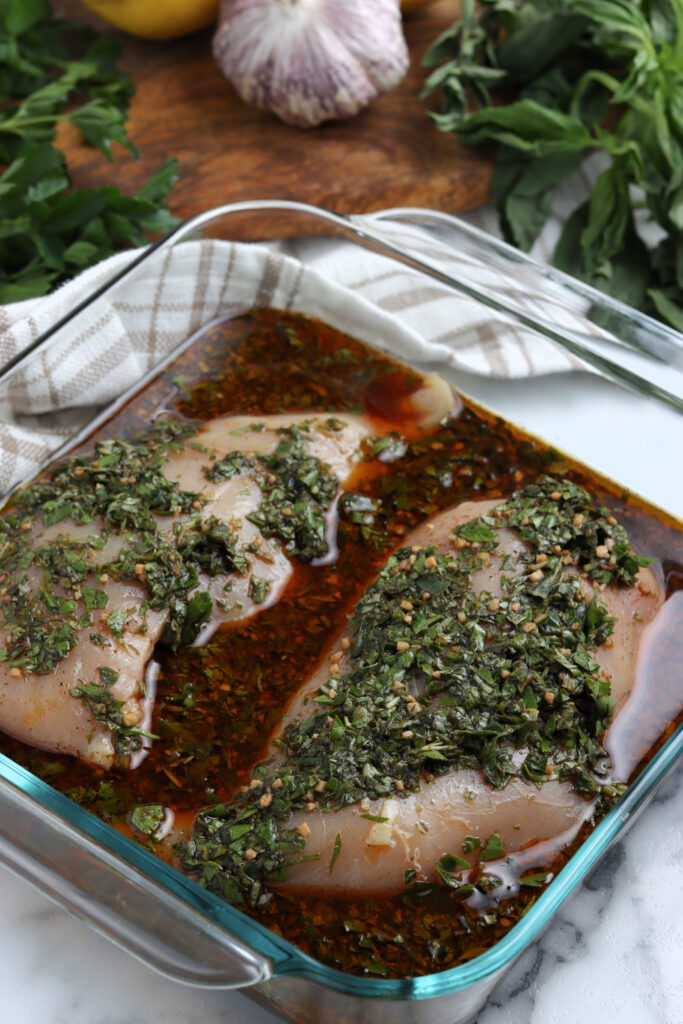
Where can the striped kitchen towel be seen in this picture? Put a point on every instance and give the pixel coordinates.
(109, 347)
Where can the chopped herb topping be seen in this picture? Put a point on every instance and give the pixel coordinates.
(465, 681)
(230, 465)
(108, 676)
(251, 428)
(107, 710)
(104, 799)
(123, 484)
(386, 448)
(534, 881)
(555, 514)
(258, 589)
(116, 621)
(450, 867)
(298, 489)
(124, 489)
(52, 589)
(493, 848)
(148, 819)
(335, 851)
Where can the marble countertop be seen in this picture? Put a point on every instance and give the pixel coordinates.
(613, 952)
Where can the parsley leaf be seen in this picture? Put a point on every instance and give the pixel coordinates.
(54, 70)
(493, 848)
(148, 818)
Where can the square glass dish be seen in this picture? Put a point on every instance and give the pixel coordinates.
(151, 909)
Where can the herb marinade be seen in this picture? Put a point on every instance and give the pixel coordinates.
(166, 541)
(217, 704)
(442, 678)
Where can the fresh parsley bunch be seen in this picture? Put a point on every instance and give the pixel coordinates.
(579, 76)
(53, 70)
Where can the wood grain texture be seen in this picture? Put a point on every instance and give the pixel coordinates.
(389, 155)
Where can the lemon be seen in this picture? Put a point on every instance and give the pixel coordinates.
(153, 19)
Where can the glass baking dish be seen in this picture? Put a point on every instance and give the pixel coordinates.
(153, 911)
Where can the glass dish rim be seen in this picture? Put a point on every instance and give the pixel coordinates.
(663, 343)
(287, 958)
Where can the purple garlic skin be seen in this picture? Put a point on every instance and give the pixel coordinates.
(309, 61)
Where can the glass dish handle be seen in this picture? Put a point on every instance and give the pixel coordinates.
(625, 345)
(120, 902)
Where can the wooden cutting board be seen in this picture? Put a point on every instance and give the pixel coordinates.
(389, 155)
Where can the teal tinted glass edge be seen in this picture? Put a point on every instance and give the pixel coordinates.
(288, 960)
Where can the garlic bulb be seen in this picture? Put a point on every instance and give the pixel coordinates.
(311, 60)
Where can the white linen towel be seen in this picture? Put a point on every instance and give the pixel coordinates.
(102, 353)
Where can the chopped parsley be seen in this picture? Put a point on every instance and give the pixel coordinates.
(122, 491)
(116, 620)
(108, 711)
(51, 591)
(123, 484)
(230, 465)
(258, 589)
(148, 819)
(493, 848)
(336, 849)
(297, 489)
(442, 678)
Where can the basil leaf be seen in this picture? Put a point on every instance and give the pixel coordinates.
(579, 76)
(54, 70)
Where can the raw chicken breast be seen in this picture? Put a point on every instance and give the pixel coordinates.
(87, 696)
(39, 708)
(234, 499)
(422, 826)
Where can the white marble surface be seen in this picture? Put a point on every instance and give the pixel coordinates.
(614, 953)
